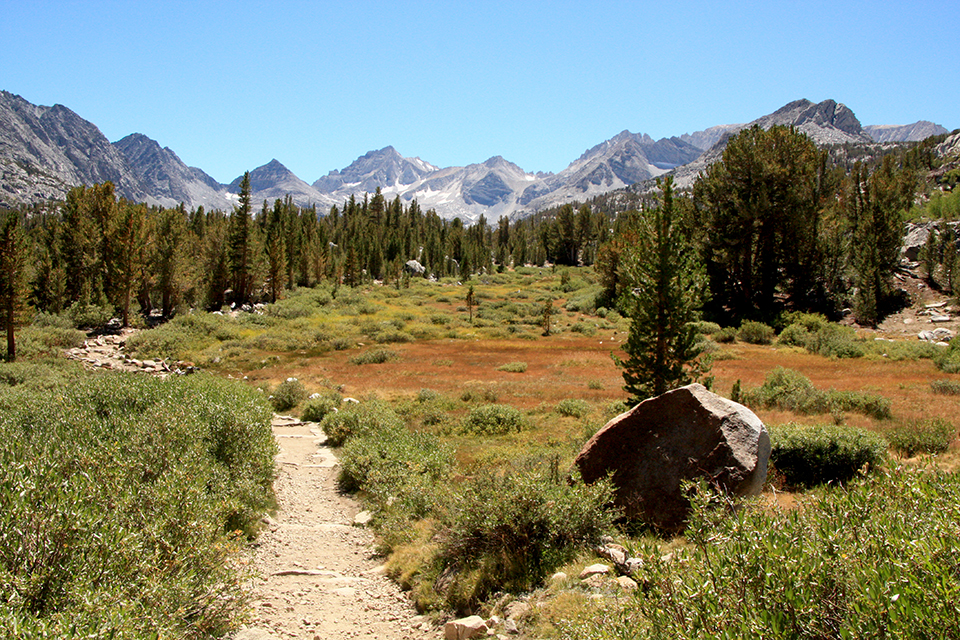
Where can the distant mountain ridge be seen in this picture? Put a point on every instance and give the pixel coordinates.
(904, 132)
(826, 123)
(44, 151)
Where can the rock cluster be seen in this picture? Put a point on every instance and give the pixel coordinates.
(940, 336)
(106, 352)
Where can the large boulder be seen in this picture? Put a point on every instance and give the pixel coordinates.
(684, 434)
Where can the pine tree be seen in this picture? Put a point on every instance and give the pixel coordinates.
(471, 300)
(125, 241)
(761, 209)
(13, 281)
(875, 205)
(547, 316)
(275, 248)
(239, 245)
(167, 259)
(667, 289)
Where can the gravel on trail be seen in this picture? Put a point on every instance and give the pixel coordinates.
(317, 575)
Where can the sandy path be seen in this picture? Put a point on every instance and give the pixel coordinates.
(318, 576)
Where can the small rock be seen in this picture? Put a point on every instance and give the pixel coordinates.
(632, 566)
(511, 627)
(593, 570)
(627, 584)
(517, 609)
(464, 628)
(363, 518)
(615, 553)
(559, 576)
(595, 581)
(940, 319)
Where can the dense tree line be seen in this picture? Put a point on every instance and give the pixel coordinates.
(777, 224)
(781, 226)
(95, 250)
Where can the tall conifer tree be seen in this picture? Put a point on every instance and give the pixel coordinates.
(667, 289)
(13, 281)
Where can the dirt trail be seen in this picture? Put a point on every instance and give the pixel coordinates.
(317, 575)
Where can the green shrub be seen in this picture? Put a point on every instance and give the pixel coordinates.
(59, 321)
(812, 455)
(755, 333)
(812, 322)
(931, 436)
(585, 302)
(121, 501)
(356, 419)
(948, 359)
(513, 367)
(374, 356)
(794, 335)
(89, 316)
(945, 387)
(41, 375)
(183, 336)
(315, 409)
(833, 340)
(877, 559)
(397, 470)
(493, 419)
(299, 304)
(509, 532)
(287, 395)
(573, 407)
(342, 344)
(36, 340)
(726, 335)
(584, 328)
(791, 390)
(479, 395)
(703, 327)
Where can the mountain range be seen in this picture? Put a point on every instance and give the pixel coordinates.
(44, 151)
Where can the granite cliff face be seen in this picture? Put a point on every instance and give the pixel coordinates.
(46, 150)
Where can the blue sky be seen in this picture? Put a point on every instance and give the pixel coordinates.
(230, 85)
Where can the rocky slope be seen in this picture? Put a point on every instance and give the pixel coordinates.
(46, 150)
(166, 179)
(903, 132)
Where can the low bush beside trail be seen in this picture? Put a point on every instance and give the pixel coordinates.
(123, 500)
(878, 559)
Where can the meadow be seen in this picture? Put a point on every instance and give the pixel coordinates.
(469, 418)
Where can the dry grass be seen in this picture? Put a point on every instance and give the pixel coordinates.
(453, 356)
